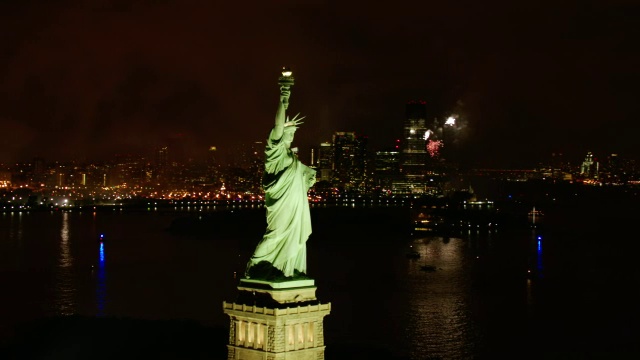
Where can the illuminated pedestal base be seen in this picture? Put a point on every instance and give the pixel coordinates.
(275, 321)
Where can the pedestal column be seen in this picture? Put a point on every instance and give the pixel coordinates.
(276, 320)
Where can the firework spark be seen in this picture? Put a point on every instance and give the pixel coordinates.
(433, 147)
(427, 134)
(451, 121)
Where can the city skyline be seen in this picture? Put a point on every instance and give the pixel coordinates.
(526, 80)
(239, 160)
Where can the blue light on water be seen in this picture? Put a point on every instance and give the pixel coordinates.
(539, 257)
(101, 285)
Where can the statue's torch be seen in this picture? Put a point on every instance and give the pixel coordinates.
(286, 81)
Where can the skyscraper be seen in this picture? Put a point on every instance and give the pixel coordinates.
(387, 168)
(350, 159)
(162, 162)
(324, 162)
(413, 151)
(590, 167)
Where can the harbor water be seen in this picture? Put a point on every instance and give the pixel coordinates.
(566, 289)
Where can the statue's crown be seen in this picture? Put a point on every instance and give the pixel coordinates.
(291, 128)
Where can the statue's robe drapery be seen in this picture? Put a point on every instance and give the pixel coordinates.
(286, 182)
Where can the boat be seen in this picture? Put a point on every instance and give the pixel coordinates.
(536, 217)
(533, 213)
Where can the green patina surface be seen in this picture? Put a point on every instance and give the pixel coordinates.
(277, 285)
(281, 255)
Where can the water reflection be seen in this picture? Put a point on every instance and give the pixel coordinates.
(535, 262)
(535, 268)
(65, 292)
(101, 287)
(439, 301)
(15, 231)
(539, 257)
(15, 235)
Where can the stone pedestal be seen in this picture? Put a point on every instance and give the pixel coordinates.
(276, 320)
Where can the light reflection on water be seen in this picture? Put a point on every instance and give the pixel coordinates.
(539, 265)
(439, 321)
(15, 233)
(153, 274)
(65, 287)
(474, 303)
(101, 287)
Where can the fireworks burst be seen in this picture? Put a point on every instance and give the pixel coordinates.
(427, 134)
(433, 147)
(451, 121)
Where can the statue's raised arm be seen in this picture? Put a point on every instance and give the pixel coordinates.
(283, 103)
(282, 254)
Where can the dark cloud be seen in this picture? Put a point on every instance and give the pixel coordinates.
(89, 79)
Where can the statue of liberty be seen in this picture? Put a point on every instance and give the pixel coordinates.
(286, 181)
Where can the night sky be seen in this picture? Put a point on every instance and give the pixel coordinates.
(89, 79)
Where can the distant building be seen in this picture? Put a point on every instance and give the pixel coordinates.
(414, 144)
(349, 160)
(162, 164)
(256, 167)
(5, 179)
(554, 168)
(590, 167)
(415, 177)
(212, 156)
(127, 170)
(324, 162)
(213, 165)
(386, 168)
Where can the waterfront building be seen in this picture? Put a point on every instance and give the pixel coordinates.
(349, 161)
(324, 162)
(213, 165)
(386, 168)
(128, 169)
(5, 179)
(162, 163)
(590, 167)
(256, 167)
(413, 153)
